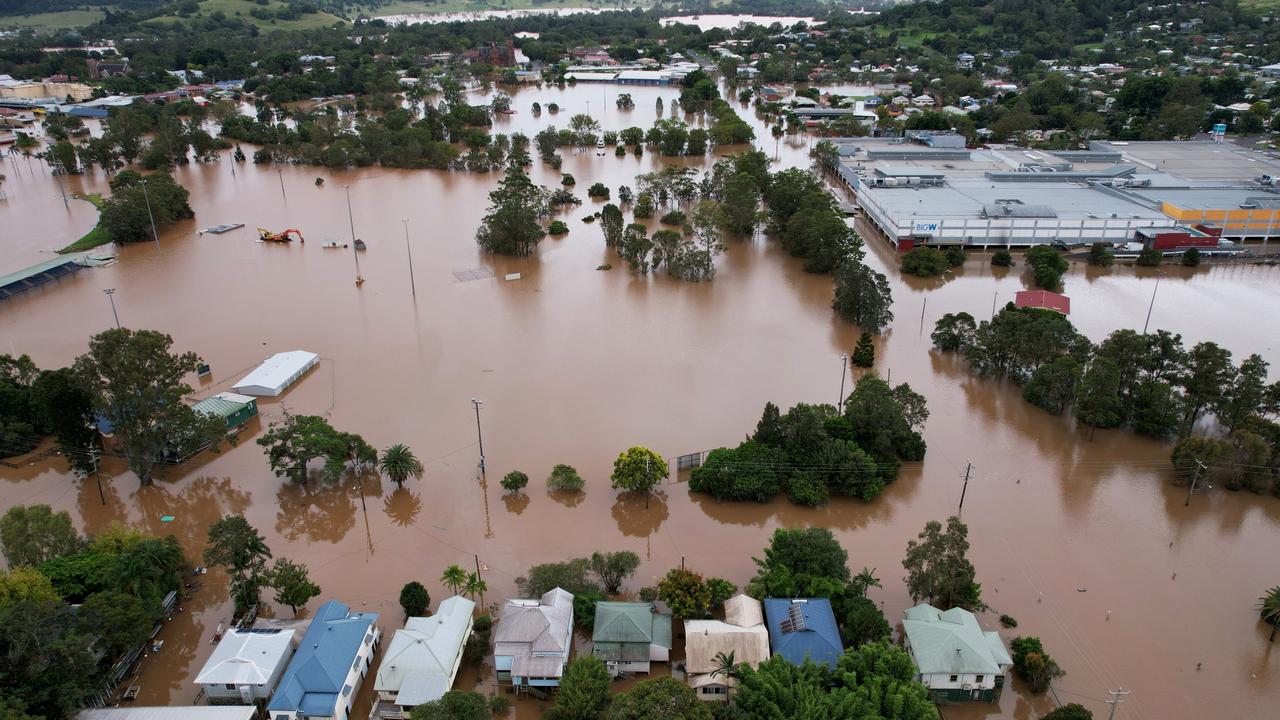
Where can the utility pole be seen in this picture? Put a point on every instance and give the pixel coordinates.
(280, 174)
(412, 287)
(93, 457)
(354, 252)
(110, 292)
(479, 436)
(1115, 700)
(480, 578)
(1194, 478)
(844, 370)
(994, 295)
(923, 305)
(965, 489)
(1159, 274)
(147, 196)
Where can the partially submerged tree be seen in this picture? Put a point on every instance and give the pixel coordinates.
(614, 567)
(638, 469)
(238, 547)
(512, 225)
(138, 387)
(414, 599)
(399, 463)
(292, 584)
(295, 441)
(584, 691)
(32, 534)
(938, 570)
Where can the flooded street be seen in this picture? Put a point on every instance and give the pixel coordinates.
(574, 365)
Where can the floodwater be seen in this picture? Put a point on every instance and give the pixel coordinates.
(477, 15)
(1085, 540)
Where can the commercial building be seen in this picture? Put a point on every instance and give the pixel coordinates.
(246, 666)
(325, 674)
(954, 658)
(423, 658)
(277, 373)
(742, 633)
(928, 188)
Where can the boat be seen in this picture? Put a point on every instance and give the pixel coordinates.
(219, 229)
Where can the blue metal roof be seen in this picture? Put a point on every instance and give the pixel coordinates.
(314, 679)
(818, 639)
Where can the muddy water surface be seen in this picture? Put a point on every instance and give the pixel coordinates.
(575, 364)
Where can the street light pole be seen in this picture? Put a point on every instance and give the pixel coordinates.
(844, 370)
(1159, 274)
(110, 292)
(479, 435)
(147, 196)
(412, 287)
(354, 252)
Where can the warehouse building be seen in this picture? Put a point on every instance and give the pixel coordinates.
(918, 190)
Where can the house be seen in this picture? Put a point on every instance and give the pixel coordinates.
(803, 628)
(325, 674)
(954, 658)
(99, 69)
(630, 635)
(233, 408)
(533, 639)
(422, 660)
(964, 61)
(742, 634)
(246, 665)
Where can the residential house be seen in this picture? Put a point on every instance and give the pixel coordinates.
(533, 638)
(955, 659)
(246, 666)
(803, 628)
(422, 660)
(630, 635)
(742, 634)
(99, 69)
(325, 674)
(964, 61)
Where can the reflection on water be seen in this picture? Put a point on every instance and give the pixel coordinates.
(574, 365)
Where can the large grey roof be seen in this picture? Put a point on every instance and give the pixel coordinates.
(542, 624)
(247, 657)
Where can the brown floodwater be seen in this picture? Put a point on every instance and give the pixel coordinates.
(575, 364)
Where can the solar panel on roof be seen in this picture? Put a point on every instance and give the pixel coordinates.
(795, 619)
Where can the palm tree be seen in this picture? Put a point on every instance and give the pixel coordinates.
(727, 666)
(398, 462)
(454, 578)
(474, 586)
(1269, 609)
(866, 579)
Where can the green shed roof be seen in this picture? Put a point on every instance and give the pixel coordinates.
(631, 624)
(220, 406)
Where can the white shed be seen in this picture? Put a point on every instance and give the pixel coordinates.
(277, 373)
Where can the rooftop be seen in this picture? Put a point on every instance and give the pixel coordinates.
(317, 674)
(625, 630)
(194, 712)
(422, 658)
(803, 628)
(246, 657)
(952, 642)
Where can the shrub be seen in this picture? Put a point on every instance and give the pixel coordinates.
(414, 599)
(553, 108)
(806, 488)
(648, 594)
(1047, 266)
(620, 151)
(566, 478)
(1100, 255)
(1002, 258)
(560, 196)
(675, 217)
(514, 481)
(567, 180)
(483, 623)
(557, 227)
(499, 704)
(685, 592)
(721, 590)
(925, 261)
(955, 255)
(1033, 664)
(598, 190)
(1191, 257)
(1008, 621)
(1150, 257)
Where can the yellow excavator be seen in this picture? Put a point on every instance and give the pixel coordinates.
(286, 236)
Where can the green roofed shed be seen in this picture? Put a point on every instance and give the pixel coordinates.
(234, 408)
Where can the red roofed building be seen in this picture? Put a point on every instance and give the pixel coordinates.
(1043, 299)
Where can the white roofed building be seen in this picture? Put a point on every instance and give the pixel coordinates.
(277, 373)
(533, 638)
(246, 665)
(422, 660)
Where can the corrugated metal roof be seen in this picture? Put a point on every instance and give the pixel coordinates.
(317, 672)
(819, 638)
(952, 642)
(219, 406)
(247, 657)
(191, 712)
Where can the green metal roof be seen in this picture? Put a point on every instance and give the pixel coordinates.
(218, 406)
(624, 631)
(952, 642)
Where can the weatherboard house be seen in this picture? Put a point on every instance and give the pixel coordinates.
(803, 629)
(325, 674)
(533, 638)
(246, 665)
(741, 634)
(422, 660)
(955, 659)
(628, 636)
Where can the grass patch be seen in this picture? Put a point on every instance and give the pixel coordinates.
(95, 237)
(242, 8)
(53, 20)
(1260, 6)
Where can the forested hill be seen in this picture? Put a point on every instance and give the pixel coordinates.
(1045, 28)
(31, 7)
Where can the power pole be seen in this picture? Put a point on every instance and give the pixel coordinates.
(412, 287)
(93, 457)
(480, 578)
(479, 436)
(1115, 700)
(844, 370)
(967, 469)
(1194, 478)
(147, 196)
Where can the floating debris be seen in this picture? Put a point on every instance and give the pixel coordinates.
(472, 274)
(219, 229)
(511, 276)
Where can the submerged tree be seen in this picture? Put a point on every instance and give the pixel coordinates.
(137, 386)
(238, 547)
(937, 569)
(512, 225)
(298, 439)
(292, 584)
(398, 462)
(862, 296)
